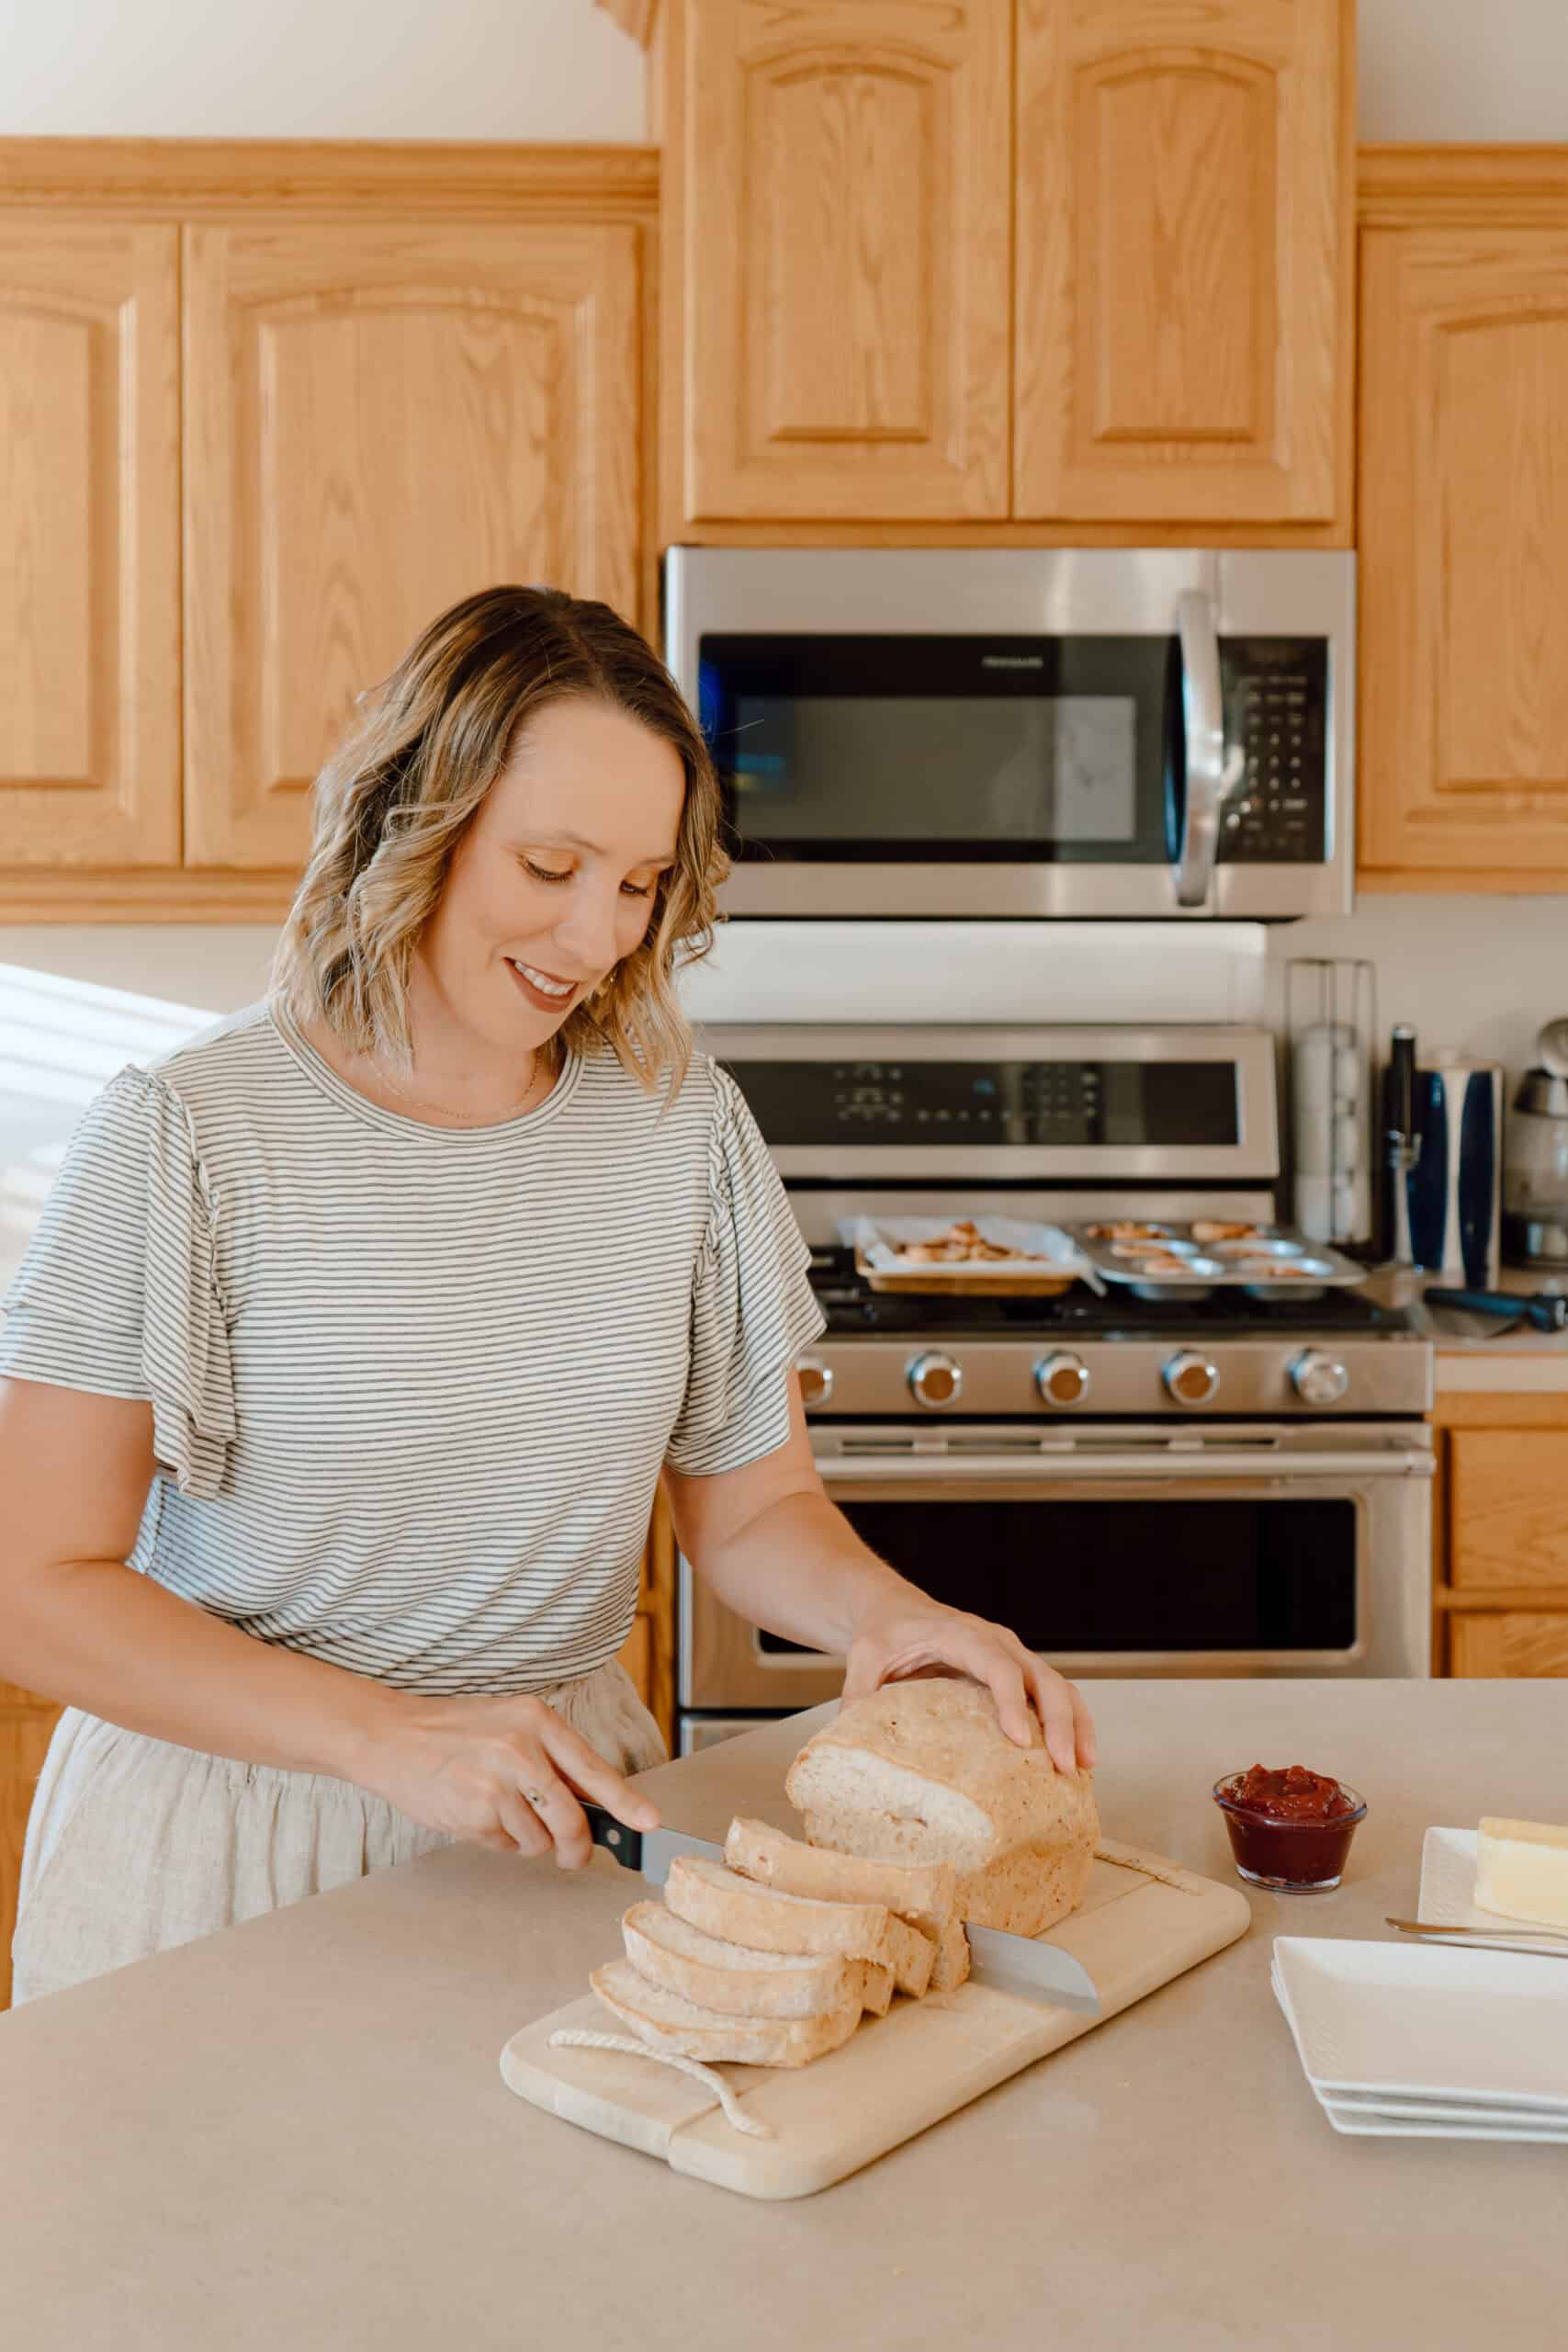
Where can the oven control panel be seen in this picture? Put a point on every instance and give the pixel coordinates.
(955, 1378)
(1099, 1103)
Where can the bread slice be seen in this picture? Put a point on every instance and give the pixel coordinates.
(737, 1910)
(924, 1896)
(741, 1983)
(952, 1967)
(666, 2021)
(922, 1771)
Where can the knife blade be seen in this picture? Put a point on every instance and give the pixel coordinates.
(1021, 1966)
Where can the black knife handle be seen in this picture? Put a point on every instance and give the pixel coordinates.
(1402, 1088)
(614, 1835)
(1547, 1310)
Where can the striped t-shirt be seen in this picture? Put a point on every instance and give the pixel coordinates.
(412, 1385)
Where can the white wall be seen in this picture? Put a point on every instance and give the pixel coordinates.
(317, 69)
(1462, 69)
(558, 68)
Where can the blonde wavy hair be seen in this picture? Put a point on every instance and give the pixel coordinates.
(394, 801)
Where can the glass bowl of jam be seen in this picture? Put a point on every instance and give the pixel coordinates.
(1291, 1829)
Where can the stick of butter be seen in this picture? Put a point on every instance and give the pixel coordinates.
(1521, 1871)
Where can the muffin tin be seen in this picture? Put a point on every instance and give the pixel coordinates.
(1157, 1258)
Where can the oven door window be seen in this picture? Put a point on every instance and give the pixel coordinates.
(943, 748)
(1248, 1575)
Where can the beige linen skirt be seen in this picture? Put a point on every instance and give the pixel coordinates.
(134, 1845)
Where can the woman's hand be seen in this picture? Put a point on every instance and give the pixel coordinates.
(900, 1636)
(497, 1771)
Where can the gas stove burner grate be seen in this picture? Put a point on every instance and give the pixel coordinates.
(851, 1306)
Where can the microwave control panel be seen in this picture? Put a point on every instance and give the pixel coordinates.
(1276, 705)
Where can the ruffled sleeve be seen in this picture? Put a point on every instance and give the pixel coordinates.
(119, 1291)
(752, 1307)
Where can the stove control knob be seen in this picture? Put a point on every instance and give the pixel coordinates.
(816, 1381)
(1190, 1378)
(1319, 1379)
(935, 1379)
(1062, 1379)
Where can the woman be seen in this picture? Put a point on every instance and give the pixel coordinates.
(358, 1333)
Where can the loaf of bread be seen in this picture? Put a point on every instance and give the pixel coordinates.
(666, 2021)
(739, 1982)
(922, 1772)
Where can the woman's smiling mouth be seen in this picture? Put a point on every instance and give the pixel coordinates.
(540, 987)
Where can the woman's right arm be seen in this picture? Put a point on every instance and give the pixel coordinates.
(78, 1625)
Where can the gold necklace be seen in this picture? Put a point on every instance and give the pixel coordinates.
(419, 1102)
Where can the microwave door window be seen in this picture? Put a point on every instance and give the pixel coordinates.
(902, 748)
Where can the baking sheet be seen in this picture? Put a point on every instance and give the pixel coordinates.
(1053, 1260)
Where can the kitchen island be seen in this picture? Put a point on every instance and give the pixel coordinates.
(295, 2133)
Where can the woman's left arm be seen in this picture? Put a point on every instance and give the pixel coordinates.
(781, 1555)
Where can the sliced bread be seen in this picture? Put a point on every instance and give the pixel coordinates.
(666, 2021)
(733, 1979)
(951, 1966)
(924, 1896)
(922, 1771)
(740, 1911)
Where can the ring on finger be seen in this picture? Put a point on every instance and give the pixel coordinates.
(536, 1797)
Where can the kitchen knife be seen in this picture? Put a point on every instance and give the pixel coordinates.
(1546, 1309)
(1029, 1969)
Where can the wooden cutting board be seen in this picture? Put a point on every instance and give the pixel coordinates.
(1143, 1920)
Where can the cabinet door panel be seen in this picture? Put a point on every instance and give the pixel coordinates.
(26, 1723)
(636, 1656)
(379, 421)
(1508, 1642)
(89, 587)
(1463, 502)
(1183, 252)
(840, 175)
(1508, 1518)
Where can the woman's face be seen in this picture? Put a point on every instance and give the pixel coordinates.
(552, 882)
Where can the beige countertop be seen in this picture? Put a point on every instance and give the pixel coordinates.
(295, 2133)
(1475, 1353)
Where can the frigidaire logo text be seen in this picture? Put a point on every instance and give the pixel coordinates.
(1012, 661)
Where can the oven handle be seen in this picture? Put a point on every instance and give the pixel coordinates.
(1159, 1469)
(1212, 772)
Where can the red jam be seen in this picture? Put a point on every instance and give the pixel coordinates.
(1291, 1827)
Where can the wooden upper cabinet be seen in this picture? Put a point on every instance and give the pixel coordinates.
(838, 199)
(1463, 500)
(1184, 256)
(380, 419)
(89, 564)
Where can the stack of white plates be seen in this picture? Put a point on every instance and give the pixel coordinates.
(1411, 2040)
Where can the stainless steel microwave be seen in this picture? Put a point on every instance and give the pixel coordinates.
(1025, 731)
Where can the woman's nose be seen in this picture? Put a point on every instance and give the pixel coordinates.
(587, 931)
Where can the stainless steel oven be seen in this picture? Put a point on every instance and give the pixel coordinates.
(1234, 1549)
(1136, 1481)
(1025, 731)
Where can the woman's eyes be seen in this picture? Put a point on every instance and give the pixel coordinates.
(565, 873)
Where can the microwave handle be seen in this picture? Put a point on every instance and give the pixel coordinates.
(1212, 774)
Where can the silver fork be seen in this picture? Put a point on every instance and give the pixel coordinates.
(1544, 1943)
